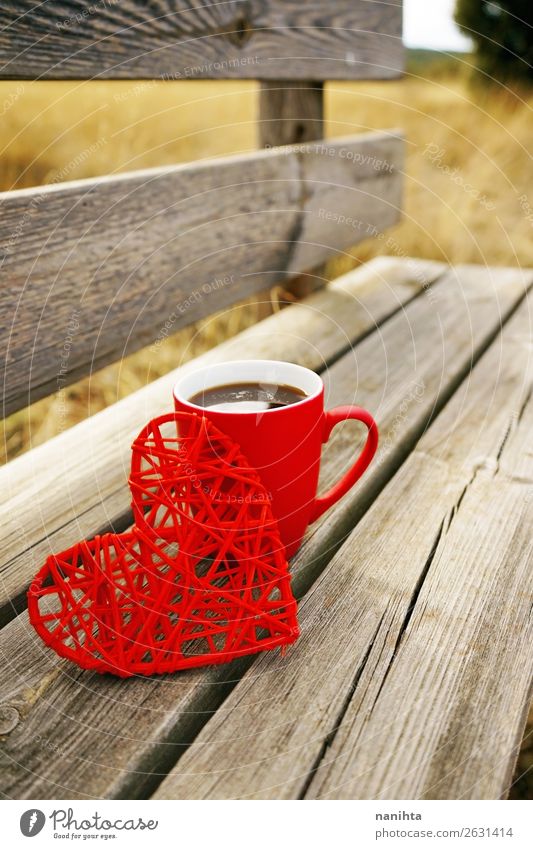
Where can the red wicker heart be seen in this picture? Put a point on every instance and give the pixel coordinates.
(202, 577)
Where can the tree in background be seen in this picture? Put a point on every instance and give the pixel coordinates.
(502, 34)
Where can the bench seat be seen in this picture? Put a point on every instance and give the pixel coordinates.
(412, 675)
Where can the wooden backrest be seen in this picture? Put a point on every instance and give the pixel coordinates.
(232, 39)
(95, 269)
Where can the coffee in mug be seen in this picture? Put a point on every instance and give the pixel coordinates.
(283, 439)
(252, 397)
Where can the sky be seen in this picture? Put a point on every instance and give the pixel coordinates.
(430, 23)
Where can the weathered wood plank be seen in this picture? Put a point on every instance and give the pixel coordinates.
(414, 666)
(76, 485)
(96, 269)
(244, 39)
(463, 322)
(466, 645)
(114, 738)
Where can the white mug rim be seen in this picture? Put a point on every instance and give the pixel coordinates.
(194, 380)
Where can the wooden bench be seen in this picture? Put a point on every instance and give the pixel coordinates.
(412, 676)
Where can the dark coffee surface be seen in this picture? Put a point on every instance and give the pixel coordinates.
(247, 397)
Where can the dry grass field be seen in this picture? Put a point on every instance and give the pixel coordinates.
(468, 170)
(467, 167)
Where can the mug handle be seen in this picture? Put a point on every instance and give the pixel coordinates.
(331, 418)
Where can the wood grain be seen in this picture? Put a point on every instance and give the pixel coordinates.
(96, 269)
(76, 484)
(413, 671)
(235, 39)
(113, 738)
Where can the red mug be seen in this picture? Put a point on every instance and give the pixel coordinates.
(284, 444)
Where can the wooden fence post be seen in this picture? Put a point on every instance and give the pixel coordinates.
(292, 112)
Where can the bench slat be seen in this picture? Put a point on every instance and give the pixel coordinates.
(456, 730)
(76, 484)
(129, 39)
(412, 674)
(112, 738)
(96, 269)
